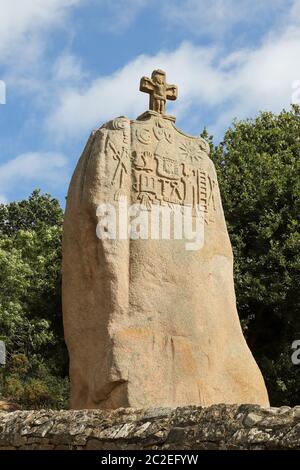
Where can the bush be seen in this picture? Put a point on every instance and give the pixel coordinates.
(30, 303)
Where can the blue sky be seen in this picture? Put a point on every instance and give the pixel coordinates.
(70, 65)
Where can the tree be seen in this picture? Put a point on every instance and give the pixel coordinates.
(258, 166)
(30, 302)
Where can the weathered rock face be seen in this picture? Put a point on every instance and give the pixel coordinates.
(217, 427)
(151, 322)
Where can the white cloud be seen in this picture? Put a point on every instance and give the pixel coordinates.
(81, 109)
(3, 199)
(68, 68)
(23, 20)
(262, 79)
(238, 84)
(25, 27)
(33, 169)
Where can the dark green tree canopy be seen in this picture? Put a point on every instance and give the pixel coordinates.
(258, 166)
(30, 304)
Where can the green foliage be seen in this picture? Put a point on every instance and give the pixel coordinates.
(258, 166)
(30, 302)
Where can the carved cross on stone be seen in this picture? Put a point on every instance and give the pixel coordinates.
(158, 90)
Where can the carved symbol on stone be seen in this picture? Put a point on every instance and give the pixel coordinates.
(191, 151)
(170, 191)
(160, 178)
(171, 167)
(169, 135)
(122, 157)
(202, 189)
(144, 161)
(103, 141)
(145, 200)
(206, 194)
(122, 123)
(211, 203)
(175, 195)
(158, 130)
(190, 184)
(162, 132)
(167, 167)
(143, 135)
(147, 183)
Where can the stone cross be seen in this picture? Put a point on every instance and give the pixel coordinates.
(158, 90)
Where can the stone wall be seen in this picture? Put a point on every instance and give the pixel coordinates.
(196, 428)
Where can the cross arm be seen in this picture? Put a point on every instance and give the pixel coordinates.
(172, 92)
(146, 85)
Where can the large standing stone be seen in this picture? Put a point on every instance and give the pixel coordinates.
(148, 322)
